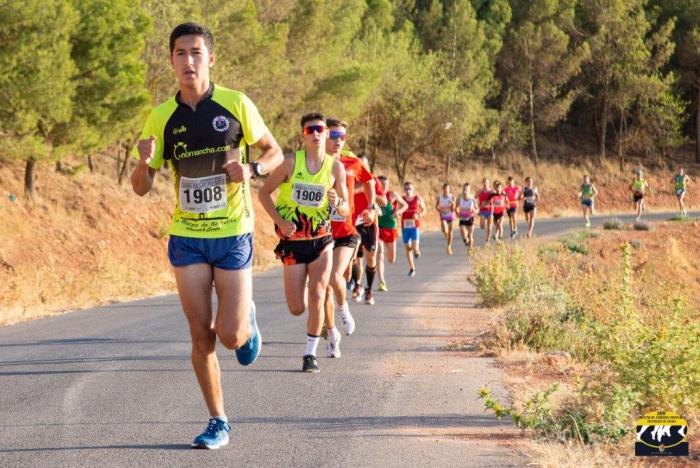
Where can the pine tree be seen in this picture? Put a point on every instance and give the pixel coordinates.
(36, 81)
(539, 61)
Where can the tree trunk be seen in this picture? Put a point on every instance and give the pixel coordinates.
(122, 171)
(533, 141)
(620, 136)
(448, 163)
(118, 162)
(697, 124)
(90, 165)
(29, 177)
(603, 128)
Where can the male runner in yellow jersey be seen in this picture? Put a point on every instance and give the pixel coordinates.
(204, 132)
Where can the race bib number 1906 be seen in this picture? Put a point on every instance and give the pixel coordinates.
(203, 194)
(308, 194)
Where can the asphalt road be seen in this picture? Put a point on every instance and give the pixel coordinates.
(113, 386)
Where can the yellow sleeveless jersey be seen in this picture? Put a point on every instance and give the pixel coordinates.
(303, 199)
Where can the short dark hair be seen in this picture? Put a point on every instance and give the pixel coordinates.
(407, 183)
(185, 29)
(382, 177)
(311, 116)
(334, 122)
(509, 178)
(444, 186)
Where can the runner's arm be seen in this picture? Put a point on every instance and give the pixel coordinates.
(142, 176)
(341, 189)
(595, 191)
(271, 156)
(421, 206)
(278, 175)
(401, 206)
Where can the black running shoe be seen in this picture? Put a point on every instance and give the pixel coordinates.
(310, 364)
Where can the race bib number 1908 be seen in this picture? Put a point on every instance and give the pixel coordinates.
(203, 194)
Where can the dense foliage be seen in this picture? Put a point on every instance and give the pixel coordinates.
(448, 77)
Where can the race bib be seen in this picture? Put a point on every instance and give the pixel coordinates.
(203, 194)
(308, 194)
(409, 223)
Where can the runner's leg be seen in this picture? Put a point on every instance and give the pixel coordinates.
(295, 287)
(194, 284)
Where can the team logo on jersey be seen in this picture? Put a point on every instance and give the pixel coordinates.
(179, 149)
(220, 123)
(180, 129)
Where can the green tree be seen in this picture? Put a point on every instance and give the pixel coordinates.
(686, 59)
(539, 61)
(106, 47)
(624, 77)
(36, 84)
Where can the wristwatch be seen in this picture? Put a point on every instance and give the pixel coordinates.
(371, 206)
(257, 169)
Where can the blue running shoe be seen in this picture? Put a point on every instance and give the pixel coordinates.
(249, 352)
(214, 436)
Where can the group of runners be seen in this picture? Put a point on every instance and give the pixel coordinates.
(490, 206)
(336, 221)
(334, 218)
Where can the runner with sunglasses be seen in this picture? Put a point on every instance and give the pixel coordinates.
(388, 233)
(345, 235)
(311, 184)
(369, 233)
(410, 225)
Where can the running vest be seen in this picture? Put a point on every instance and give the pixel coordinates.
(445, 204)
(680, 181)
(303, 199)
(408, 217)
(499, 202)
(485, 200)
(465, 207)
(387, 220)
(638, 185)
(586, 191)
(529, 195)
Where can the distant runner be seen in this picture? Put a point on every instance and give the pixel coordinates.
(680, 187)
(310, 183)
(485, 208)
(514, 194)
(499, 201)
(587, 195)
(205, 132)
(638, 187)
(410, 225)
(388, 232)
(467, 210)
(445, 205)
(531, 196)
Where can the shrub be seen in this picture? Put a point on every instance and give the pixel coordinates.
(642, 225)
(614, 224)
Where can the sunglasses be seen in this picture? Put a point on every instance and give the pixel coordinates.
(311, 129)
(336, 135)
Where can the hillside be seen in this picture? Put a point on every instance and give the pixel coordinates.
(84, 240)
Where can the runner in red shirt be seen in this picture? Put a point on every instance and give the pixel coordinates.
(514, 194)
(410, 225)
(369, 233)
(485, 208)
(499, 201)
(344, 234)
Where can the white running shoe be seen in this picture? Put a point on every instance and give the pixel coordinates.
(346, 318)
(333, 346)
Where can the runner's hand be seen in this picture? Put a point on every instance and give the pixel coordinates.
(368, 217)
(237, 171)
(287, 228)
(146, 149)
(332, 197)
